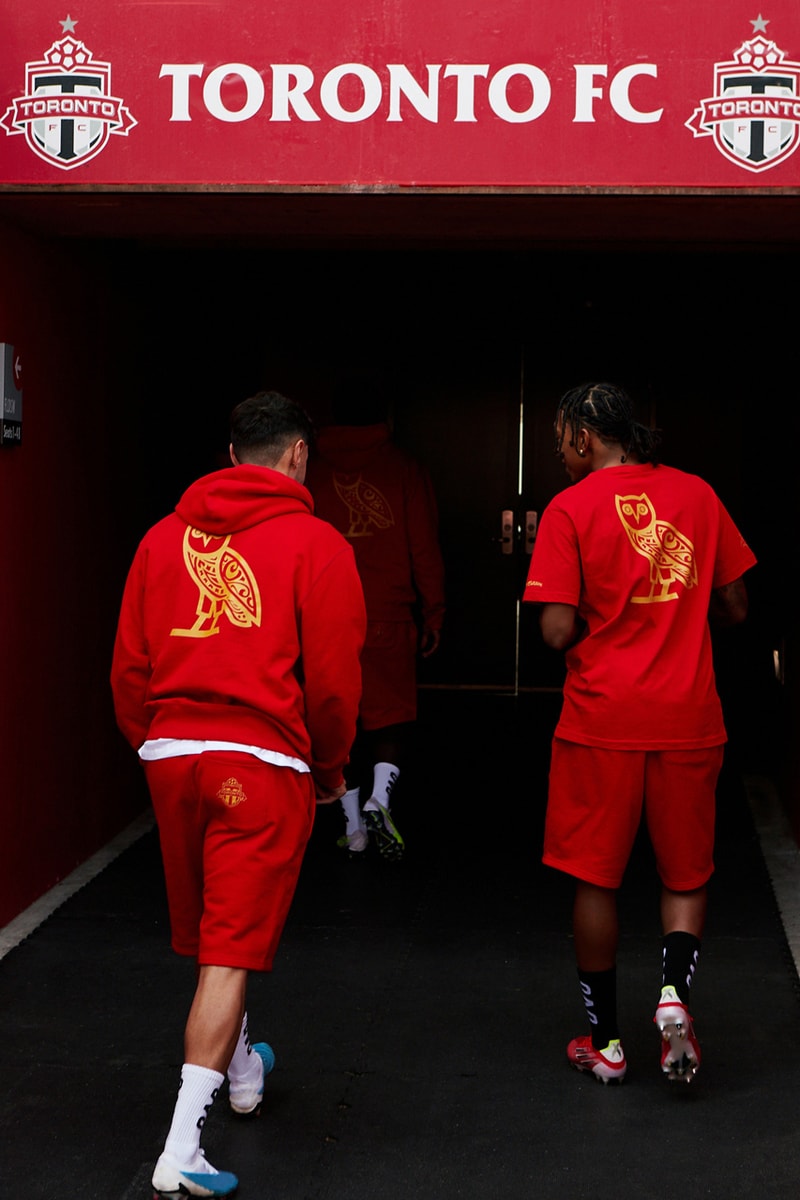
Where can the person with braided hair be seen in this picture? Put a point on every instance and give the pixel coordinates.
(629, 565)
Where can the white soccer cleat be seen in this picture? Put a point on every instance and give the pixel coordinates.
(171, 1181)
(246, 1102)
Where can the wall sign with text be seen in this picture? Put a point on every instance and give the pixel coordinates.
(11, 375)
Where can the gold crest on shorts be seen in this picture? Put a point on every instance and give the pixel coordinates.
(231, 793)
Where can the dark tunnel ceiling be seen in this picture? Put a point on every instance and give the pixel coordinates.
(412, 219)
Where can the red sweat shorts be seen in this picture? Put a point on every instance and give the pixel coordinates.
(594, 809)
(233, 830)
(389, 674)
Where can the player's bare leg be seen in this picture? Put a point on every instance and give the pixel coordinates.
(595, 926)
(212, 1032)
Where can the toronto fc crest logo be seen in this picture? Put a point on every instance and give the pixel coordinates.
(754, 114)
(67, 113)
(231, 793)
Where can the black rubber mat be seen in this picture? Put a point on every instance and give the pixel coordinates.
(419, 1014)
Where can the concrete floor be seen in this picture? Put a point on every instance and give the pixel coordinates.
(419, 1013)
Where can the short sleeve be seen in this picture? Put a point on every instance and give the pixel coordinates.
(554, 575)
(734, 556)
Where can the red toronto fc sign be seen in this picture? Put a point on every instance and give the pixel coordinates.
(401, 93)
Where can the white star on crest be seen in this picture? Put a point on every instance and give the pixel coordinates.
(760, 24)
(68, 26)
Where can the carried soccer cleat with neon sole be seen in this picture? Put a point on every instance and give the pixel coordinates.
(387, 836)
(246, 1102)
(680, 1050)
(607, 1066)
(171, 1181)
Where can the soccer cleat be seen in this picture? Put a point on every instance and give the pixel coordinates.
(246, 1102)
(172, 1181)
(354, 843)
(680, 1050)
(387, 836)
(607, 1066)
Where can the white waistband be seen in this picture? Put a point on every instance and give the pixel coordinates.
(176, 747)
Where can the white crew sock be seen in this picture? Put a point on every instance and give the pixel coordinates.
(196, 1094)
(351, 808)
(246, 1069)
(384, 778)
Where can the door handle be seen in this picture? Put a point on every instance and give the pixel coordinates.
(531, 527)
(507, 531)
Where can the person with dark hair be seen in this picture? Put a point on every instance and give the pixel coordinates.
(382, 500)
(628, 566)
(236, 678)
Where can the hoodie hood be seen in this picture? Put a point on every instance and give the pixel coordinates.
(348, 448)
(237, 498)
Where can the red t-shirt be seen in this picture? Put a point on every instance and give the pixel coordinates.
(638, 549)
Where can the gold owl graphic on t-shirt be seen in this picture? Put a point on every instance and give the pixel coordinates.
(669, 552)
(368, 508)
(226, 583)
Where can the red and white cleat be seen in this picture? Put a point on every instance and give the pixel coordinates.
(607, 1066)
(680, 1050)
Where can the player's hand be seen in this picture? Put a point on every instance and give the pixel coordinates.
(324, 796)
(429, 641)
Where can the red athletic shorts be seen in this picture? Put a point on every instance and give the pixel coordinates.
(595, 803)
(389, 674)
(233, 830)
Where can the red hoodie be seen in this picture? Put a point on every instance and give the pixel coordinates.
(242, 620)
(382, 500)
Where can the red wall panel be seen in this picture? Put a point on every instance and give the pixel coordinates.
(68, 783)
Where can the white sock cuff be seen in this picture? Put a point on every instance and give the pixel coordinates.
(351, 808)
(385, 775)
(198, 1091)
(240, 1059)
(200, 1078)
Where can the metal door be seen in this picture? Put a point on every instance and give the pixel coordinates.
(487, 442)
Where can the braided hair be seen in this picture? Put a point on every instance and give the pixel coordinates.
(608, 412)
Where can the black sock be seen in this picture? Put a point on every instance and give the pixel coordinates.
(679, 954)
(599, 991)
